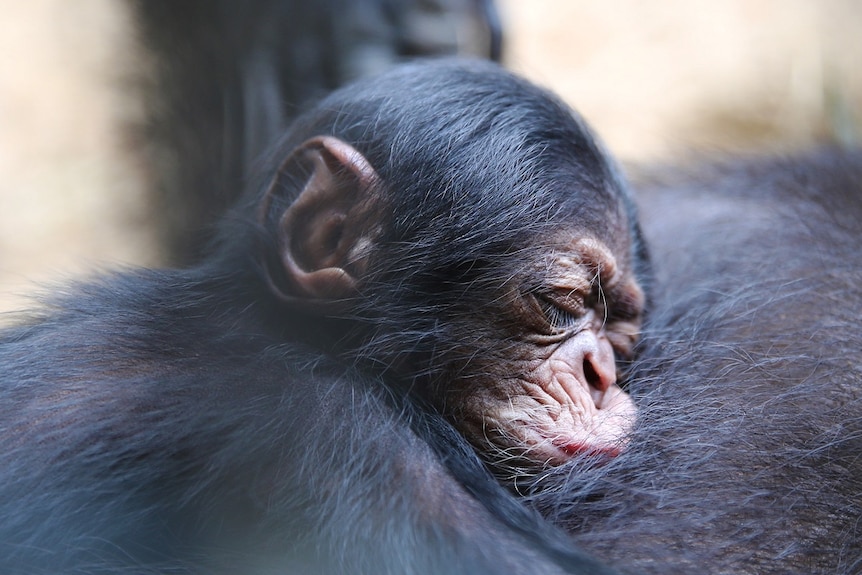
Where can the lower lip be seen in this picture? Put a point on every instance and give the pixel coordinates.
(573, 449)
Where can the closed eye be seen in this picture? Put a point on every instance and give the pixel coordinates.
(559, 318)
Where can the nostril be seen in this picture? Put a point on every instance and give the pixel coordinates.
(591, 375)
(595, 362)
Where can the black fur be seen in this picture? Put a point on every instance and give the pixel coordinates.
(479, 168)
(748, 454)
(190, 422)
(185, 422)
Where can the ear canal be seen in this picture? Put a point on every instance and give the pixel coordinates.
(325, 234)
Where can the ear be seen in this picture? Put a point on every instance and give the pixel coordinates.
(326, 233)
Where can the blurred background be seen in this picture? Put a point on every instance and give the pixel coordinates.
(659, 81)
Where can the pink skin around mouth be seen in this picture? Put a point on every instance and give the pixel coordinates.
(608, 452)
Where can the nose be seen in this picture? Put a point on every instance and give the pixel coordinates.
(592, 350)
(600, 368)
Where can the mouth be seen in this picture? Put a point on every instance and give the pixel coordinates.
(572, 449)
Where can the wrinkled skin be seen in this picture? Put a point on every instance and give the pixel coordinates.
(560, 396)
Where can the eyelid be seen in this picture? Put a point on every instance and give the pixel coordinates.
(561, 317)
